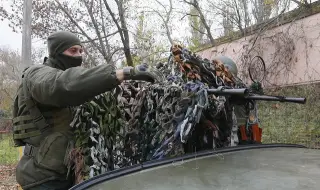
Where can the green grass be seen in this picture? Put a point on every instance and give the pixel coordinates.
(290, 122)
(8, 154)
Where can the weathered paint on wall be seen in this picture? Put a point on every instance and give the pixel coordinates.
(291, 52)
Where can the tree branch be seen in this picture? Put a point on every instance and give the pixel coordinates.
(162, 5)
(77, 25)
(104, 31)
(195, 4)
(263, 28)
(188, 14)
(115, 51)
(165, 20)
(95, 39)
(90, 57)
(201, 32)
(122, 30)
(114, 19)
(239, 18)
(103, 48)
(233, 20)
(188, 2)
(126, 42)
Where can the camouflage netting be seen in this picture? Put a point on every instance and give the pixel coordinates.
(140, 121)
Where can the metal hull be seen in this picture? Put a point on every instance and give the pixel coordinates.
(249, 167)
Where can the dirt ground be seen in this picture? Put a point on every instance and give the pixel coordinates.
(8, 178)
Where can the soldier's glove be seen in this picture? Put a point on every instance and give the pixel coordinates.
(139, 72)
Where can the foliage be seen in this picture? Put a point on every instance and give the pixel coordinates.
(8, 153)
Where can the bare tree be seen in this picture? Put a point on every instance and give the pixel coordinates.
(197, 28)
(196, 5)
(235, 14)
(240, 14)
(229, 16)
(10, 74)
(261, 10)
(142, 41)
(122, 28)
(165, 17)
(93, 21)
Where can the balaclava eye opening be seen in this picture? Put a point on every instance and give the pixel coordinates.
(58, 42)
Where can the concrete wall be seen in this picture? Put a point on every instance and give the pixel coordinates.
(291, 52)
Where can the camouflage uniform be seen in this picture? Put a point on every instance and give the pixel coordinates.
(245, 118)
(240, 110)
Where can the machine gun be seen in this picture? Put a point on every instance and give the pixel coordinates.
(220, 75)
(251, 132)
(244, 93)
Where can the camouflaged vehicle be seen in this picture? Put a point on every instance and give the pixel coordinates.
(197, 128)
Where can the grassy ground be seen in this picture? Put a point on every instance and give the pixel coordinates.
(9, 156)
(290, 122)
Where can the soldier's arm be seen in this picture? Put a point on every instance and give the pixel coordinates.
(71, 87)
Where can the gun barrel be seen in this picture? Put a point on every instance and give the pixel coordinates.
(278, 98)
(224, 92)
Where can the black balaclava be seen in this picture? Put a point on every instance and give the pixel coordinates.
(58, 42)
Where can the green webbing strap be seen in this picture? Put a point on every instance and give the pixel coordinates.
(22, 118)
(36, 119)
(30, 150)
(27, 135)
(23, 127)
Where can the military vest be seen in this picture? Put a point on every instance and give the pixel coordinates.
(46, 134)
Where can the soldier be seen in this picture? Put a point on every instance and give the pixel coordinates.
(42, 112)
(232, 67)
(244, 118)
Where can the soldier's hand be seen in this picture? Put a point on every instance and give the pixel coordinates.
(139, 72)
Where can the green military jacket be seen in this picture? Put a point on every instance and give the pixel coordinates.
(53, 91)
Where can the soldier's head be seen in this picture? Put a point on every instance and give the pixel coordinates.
(229, 63)
(65, 47)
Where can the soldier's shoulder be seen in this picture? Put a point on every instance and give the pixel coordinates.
(34, 67)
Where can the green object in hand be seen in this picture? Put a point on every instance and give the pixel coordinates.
(139, 72)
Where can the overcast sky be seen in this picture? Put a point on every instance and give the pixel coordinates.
(9, 38)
